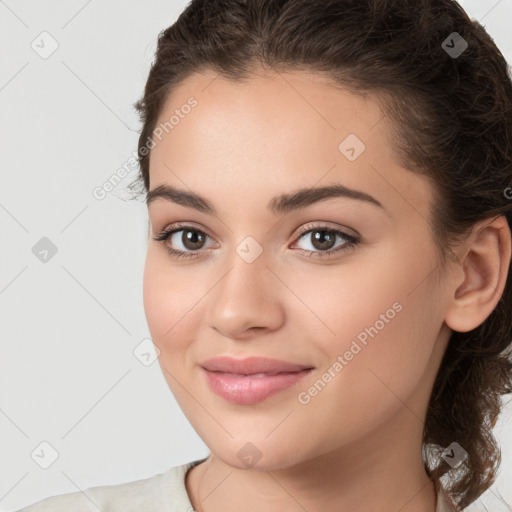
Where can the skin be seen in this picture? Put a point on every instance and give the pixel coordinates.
(357, 444)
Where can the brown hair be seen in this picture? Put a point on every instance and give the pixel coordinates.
(452, 123)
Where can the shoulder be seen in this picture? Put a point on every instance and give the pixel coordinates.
(165, 491)
(107, 498)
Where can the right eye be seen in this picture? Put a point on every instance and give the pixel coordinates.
(191, 239)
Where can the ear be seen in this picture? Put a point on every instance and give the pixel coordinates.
(480, 279)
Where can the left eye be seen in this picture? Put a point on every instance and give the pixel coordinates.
(192, 241)
(323, 239)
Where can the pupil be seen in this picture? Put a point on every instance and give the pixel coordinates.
(192, 238)
(323, 239)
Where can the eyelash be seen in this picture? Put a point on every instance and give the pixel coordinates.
(164, 235)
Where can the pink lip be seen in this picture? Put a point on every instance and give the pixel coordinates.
(234, 380)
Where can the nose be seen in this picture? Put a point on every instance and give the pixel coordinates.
(247, 298)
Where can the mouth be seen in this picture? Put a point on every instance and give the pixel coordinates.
(251, 365)
(252, 380)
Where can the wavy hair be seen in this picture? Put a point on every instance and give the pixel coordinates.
(452, 122)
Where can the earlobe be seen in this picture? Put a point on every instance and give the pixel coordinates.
(484, 273)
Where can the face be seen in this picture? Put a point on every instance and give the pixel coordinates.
(342, 285)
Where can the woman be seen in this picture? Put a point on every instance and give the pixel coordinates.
(327, 273)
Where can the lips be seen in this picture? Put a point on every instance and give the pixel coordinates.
(251, 365)
(251, 380)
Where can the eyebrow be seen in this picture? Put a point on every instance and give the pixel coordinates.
(283, 203)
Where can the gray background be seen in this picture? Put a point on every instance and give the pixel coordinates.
(69, 326)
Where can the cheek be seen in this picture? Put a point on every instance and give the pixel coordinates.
(378, 376)
(169, 299)
(384, 329)
(170, 314)
(175, 298)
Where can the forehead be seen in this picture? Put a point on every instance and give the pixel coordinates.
(275, 131)
(267, 103)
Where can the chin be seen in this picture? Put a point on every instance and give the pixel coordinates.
(264, 455)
